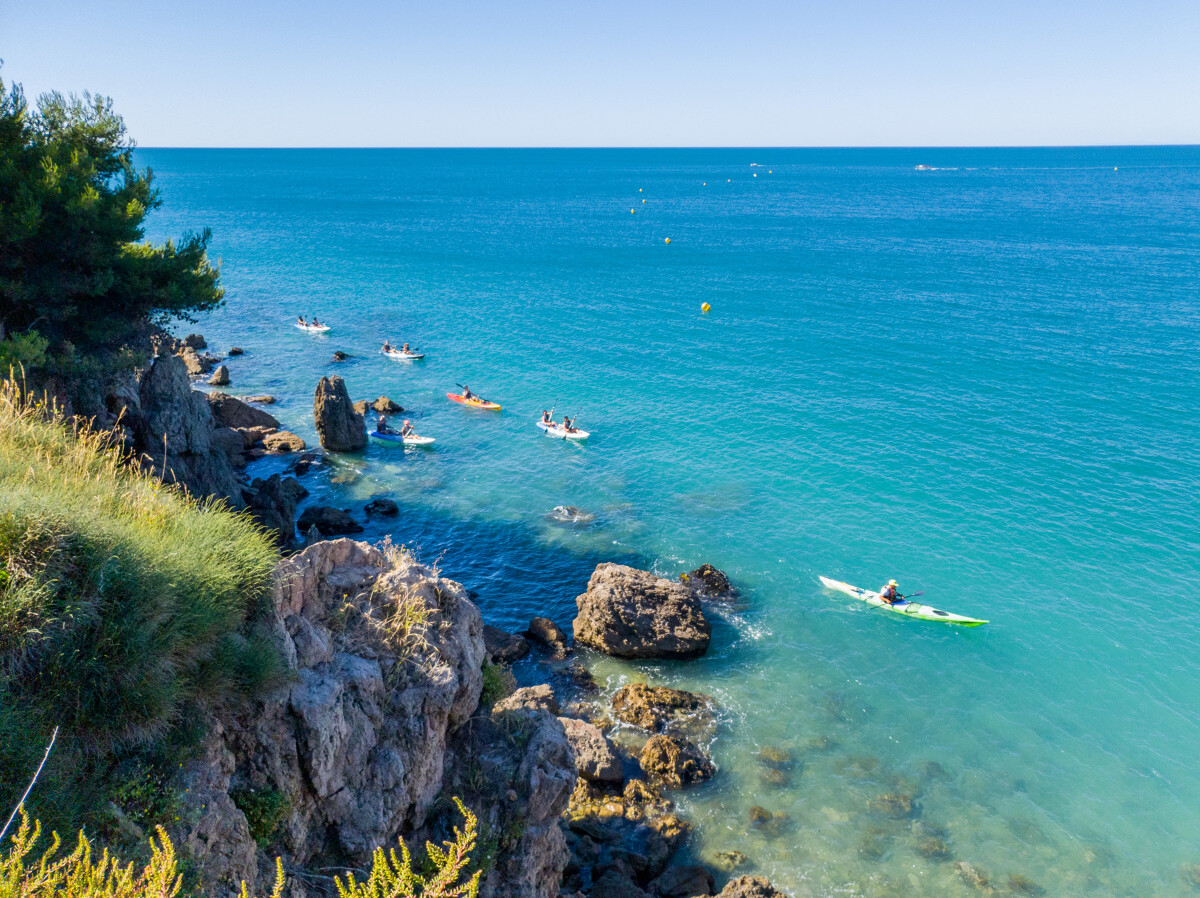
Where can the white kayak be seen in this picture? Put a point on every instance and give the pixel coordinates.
(401, 356)
(395, 439)
(314, 328)
(557, 432)
(904, 607)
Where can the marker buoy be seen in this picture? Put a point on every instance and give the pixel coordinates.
(756, 174)
(643, 202)
(631, 211)
(639, 190)
(1114, 168)
(729, 180)
(705, 184)
(706, 308)
(668, 240)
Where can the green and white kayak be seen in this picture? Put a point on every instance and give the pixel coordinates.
(903, 607)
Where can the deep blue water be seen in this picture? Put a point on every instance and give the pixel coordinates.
(983, 380)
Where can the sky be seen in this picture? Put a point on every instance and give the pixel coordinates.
(564, 73)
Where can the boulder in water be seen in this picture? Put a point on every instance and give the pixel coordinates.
(330, 521)
(547, 633)
(220, 377)
(660, 709)
(283, 441)
(750, 887)
(386, 406)
(339, 426)
(382, 506)
(502, 647)
(675, 762)
(629, 613)
(229, 411)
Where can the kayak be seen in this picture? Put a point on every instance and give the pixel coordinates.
(400, 356)
(472, 403)
(555, 431)
(314, 328)
(909, 609)
(396, 439)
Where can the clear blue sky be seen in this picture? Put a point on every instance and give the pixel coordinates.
(617, 73)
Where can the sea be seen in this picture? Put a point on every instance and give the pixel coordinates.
(980, 378)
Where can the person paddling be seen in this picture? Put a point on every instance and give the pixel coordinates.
(303, 323)
(316, 323)
(387, 346)
(381, 425)
(468, 395)
(889, 594)
(405, 348)
(407, 430)
(547, 418)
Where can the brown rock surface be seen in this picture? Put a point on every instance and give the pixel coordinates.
(339, 426)
(631, 613)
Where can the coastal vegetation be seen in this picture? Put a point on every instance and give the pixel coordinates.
(79, 288)
(29, 873)
(124, 606)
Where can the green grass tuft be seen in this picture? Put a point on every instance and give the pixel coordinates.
(124, 605)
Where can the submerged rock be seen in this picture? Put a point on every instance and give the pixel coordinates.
(339, 426)
(570, 514)
(236, 350)
(630, 613)
(974, 877)
(895, 805)
(728, 861)
(1020, 885)
(262, 399)
(340, 356)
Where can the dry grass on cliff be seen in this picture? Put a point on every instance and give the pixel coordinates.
(27, 871)
(123, 604)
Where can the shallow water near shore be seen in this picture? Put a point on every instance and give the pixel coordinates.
(982, 380)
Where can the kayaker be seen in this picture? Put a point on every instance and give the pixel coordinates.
(568, 425)
(889, 594)
(303, 323)
(547, 418)
(387, 346)
(407, 430)
(467, 394)
(316, 323)
(405, 348)
(381, 425)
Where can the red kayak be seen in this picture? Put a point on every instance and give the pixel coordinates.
(472, 403)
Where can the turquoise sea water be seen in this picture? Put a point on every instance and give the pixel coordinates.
(983, 380)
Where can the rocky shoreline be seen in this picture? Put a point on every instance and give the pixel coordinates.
(382, 717)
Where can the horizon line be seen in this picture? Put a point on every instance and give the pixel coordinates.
(1065, 146)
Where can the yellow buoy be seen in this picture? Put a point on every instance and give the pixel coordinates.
(668, 240)
(729, 180)
(706, 308)
(756, 174)
(631, 211)
(643, 202)
(705, 184)
(1114, 168)
(770, 171)
(639, 190)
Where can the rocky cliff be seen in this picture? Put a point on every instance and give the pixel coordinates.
(383, 662)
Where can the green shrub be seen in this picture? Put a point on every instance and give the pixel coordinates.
(124, 607)
(498, 682)
(265, 811)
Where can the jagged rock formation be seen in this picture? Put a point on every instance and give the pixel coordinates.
(229, 411)
(172, 429)
(634, 614)
(594, 757)
(339, 426)
(372, 731)
(273, 504)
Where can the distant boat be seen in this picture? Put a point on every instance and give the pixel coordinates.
(926, 168)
